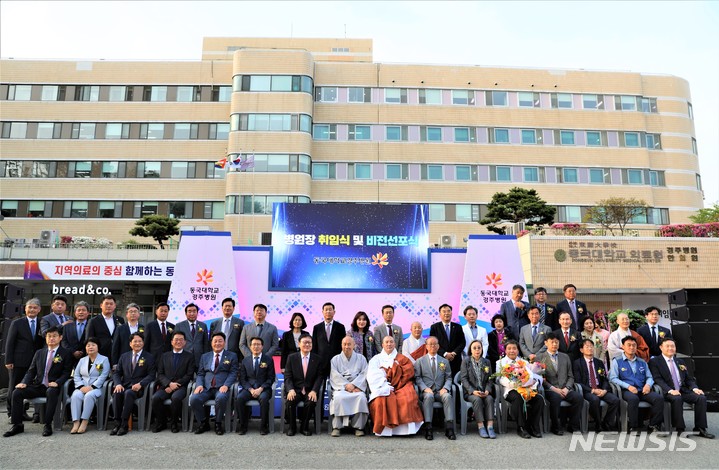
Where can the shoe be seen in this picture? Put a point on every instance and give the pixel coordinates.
(242, 431)
(174, 428)
(122, 431)
(203, 427)
(115, 430)
(359, 432)
(523, 433)
(491, 433)
(26, 417)
(449, 433)
(335, 432)
(219, 429)
(307, 432)
(557, 431)
(83, 426)
(75, 427)
(704, 433)
(264, 431)
(36, 418)
(483, 433)
(291, 432)
(428, 434)
(635, 431)
(652, 429)
(15, 429)
(680, 430)
(159, 427)
(535, 433)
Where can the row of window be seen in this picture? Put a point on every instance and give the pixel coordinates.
(493, 135)
(162, 93)
(258, 204)
(493, 98)
(576, 214)
(116, 130)
(292, 83)
(271, 122)
(112, 209)
(109, 169)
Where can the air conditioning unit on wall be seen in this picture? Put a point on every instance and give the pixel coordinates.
(49, 238)
(447, 241)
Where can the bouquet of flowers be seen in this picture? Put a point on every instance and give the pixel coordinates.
(518, 374)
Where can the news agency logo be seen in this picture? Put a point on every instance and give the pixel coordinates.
(630, 442)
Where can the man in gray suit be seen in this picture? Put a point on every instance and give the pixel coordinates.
(559, 385)
(229, 325)
(388, 329)
(198, 342)
(260, 329)
(531, 337)
(433, 376)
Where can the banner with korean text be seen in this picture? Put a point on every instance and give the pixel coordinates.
(105, 271)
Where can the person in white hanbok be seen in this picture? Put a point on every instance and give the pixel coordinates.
(348, 379)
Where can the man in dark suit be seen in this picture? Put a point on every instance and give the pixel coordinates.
(58, 315)
(547, 312)
(50, 368)
(515, 310)
(570, 304)
(303, 379)
(569, 338)
(652, 332)
(103, 326)
(121, 338)
(73, 335)
(195, 332)
(216, 373)
(175, 369)
(257, 374)
(559, 385)
(22, 341)
(158, 332)
(591, 374)
(450, 336)
(679, 387)
(327, 338)
(229, 325)
(134, 372)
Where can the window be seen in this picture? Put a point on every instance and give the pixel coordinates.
(569, 175)
(221, 93)
(116, 130)
(49, 93)
(694, 146)
(359, 95)
(213, 172)
(592, 102)
(79, 169)
(531, 174)
(112, 170)
(625, 103)
(395, 95)
(10, 168)
(396, 171)
(594, 138)
(156, 93)
(19, 92)
(430, 134)
(648, 105)
(463, 213)
(152, 131)
(117, 93)
(430, 96)
(573, 214)
(87, 93)
(182, 170)
(326, 94)
(690, 111)
(656, 178)
(653, 141)
(14, 130)
(260, 82)
(141, 209)
(359, 132)
(39, 208)
(659, 216)
(75, 209)
(462, 96)
(635, 177)
(504, 173)
(528, 99)
(8, 208)
(699, 182)
(109, 209)
(323, 171)
(48, 130)
(83, 130)
(43, 169)
(599, 175)
(463, 173)
(561, 100)
(149, 169)
(185, 131)
(393, 133)
(501, 136)
(436, 212)
(363, 171)
(566, 137)
(219, 131)
(631, 139)
(216, 210)
(529, 136)
(180, 210)
(461, 134)
(496, 98)
(324, 132)
(435, 172)
(186, 94)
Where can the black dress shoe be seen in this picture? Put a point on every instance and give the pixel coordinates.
(122, 431)
(450, 434)
(26, 417)
(115, 430)
(219, 429)
(428, 434)
(652, 429)
(523, 433)
(704, 433)
(47, 430)
(159, 427)
(307, 432)
(635, 431)
(264, 431)
(534, 433)
(15, 429)
(242, 431)
(174, 428)
(203, 427)
(557, 431)
(36, 418)
(291, 432)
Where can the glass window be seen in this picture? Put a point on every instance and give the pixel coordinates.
(278, 163)
(328, 94)
(185, 94)
(690, 111)
(596, 175)
(504, 173)
(179, 170)
(280, 122)
(635, 177)
(182, 131)
(37, 209)
(260, 82)
(180, 210)
(570, 175)
(18, 130)
(656, 178)
(43, 169)
(434, 134)
(529, 136)
(155, 131)
(359, 95)
(45, 130)
(49, 93)
(145, 208)
(359, 133)
(75, 209)
(110, 169)
(566, 137)
(117, 93)
(221, 93)
(117, 130)
(574, 214)
(436, 212)
(501, 136)
(531, 175)
(87, 93)
(460, 96)
(321, 132)
(594, 139)
(109, 209)
(281, 83)
(435, 172)
(363, 171)
(463, 212)
(564, 100)
(158, 93)
(463, 173)
(393, 171)
(83, 169)
(589, 102)
(631, 139)
(320, 171)
(430, 96)
(83, 130)
(151, 170)
(219, 131)
(305, 123)
(395, 95)
(213, 172)
(528, 99)
(628, 103)
(8, 208)
(499, 98)
(461, 134)
(394, 133)
(19, 92)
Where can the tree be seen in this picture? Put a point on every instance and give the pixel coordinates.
(615, 213)
(518, 205)
(706, 215)
(159, 227)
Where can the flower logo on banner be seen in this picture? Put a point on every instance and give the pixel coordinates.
(380, 260)
(494, 280)
(204, 277)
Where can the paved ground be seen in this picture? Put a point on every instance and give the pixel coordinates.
(184, 450)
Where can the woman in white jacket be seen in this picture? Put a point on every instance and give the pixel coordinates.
(91, 372)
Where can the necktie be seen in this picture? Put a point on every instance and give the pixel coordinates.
(305, 360)
(175, 359)
(257, 364)
(389, 330)
(446, 330)
(554, 360)
(80, 330)
(328, 330)
(542, 314)
(574, 311)
(134, 361)
(48, 364)
(214, 369)
(32, 327)
(192, 330)
(566, 337)
(62, 319)
(534, 332)
(675, 375)
(654, 333)
(434, 366)
(164, 332)
(473, 329)
(226, 331)
(592, 375)
(259, 329)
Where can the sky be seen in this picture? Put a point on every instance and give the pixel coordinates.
(676, 38)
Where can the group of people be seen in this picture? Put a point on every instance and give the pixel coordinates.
(377, 374)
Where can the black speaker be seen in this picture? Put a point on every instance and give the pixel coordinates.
(9, 292)
(11, 310)
(694, 297)
(695, 313)
(697, 338)
(704, 370)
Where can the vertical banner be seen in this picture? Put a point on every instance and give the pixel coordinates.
(492, 266)
(204, 275)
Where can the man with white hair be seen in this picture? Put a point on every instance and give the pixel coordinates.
(348, 379)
